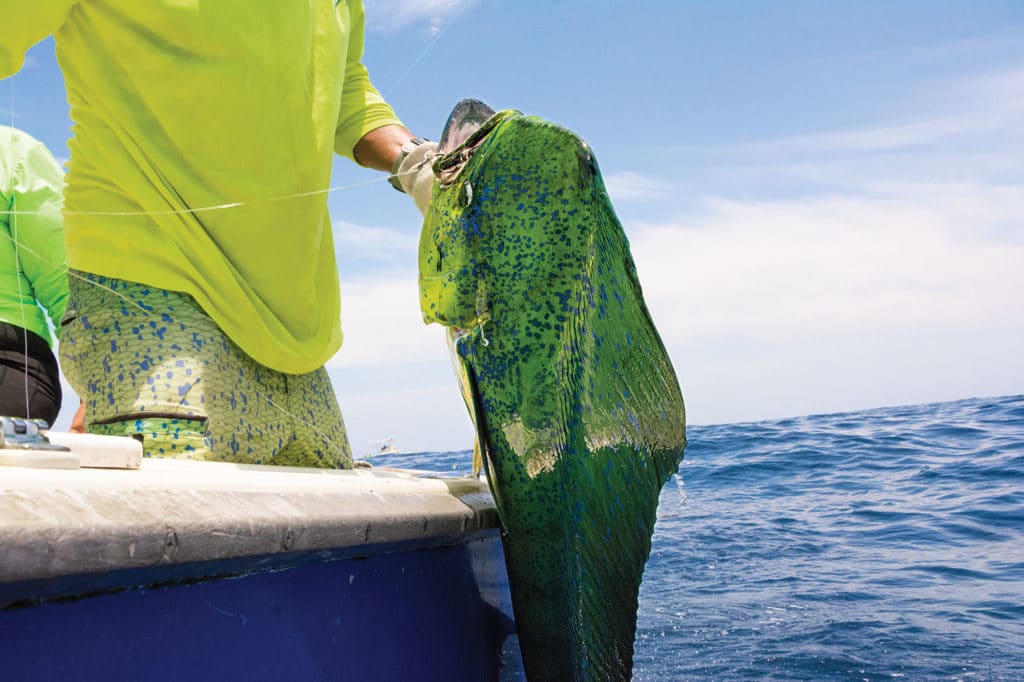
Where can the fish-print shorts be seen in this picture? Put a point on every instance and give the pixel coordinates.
(151, 364)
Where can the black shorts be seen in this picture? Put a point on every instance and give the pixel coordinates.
(33, 375)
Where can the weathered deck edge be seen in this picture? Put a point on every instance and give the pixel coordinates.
(55, 524)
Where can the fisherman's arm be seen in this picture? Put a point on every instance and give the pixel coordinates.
(25, 24)
(368, 130)
(38, 196)
(379, 148)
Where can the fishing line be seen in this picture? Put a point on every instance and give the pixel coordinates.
(48, 260)
(427, 49)
(259, 392)
(14, 212)
(221, 207)
(12, 229)
(263, 200)
(216, 207)
(147, 313)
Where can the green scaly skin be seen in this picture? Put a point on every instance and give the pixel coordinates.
(579, 415)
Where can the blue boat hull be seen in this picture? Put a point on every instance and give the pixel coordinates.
(426, 613)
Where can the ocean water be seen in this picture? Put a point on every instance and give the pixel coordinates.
(885, 544)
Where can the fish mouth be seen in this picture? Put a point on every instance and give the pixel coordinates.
(467, 116)
(469, 124)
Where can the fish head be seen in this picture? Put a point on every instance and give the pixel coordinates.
(533, 181)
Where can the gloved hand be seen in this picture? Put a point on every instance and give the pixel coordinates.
(416, 176)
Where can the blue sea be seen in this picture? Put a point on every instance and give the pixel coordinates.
(885, 544)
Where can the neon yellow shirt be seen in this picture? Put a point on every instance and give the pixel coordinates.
(181, 105)
(32, 270)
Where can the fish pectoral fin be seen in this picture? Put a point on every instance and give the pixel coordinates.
(467, 388)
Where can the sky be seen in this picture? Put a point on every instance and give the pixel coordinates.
(825, 200)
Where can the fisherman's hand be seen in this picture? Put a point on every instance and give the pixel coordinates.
(415, 174)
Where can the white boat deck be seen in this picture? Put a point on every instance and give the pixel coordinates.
(58, 523)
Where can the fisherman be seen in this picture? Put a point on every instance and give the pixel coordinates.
(33, 276)
(204, 297)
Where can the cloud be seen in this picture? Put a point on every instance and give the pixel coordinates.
(382, 251)
(979, 104)
(31, 62)
(374, 242)
(393, 374)
(417, 416)
(631, 186)
(383, 326)
(1005, 86)
(767, 307)
(924, 263)
(884, 227)
(848, 268)
(832, 302)
(394, 15)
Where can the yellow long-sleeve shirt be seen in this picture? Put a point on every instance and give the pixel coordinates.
(181, 105)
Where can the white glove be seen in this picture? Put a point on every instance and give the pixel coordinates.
(415, 174)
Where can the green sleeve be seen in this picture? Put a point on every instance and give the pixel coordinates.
(38, 200)
(25, 24)
(362, 107)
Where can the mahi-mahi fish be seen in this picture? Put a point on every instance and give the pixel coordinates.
(578, 412)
